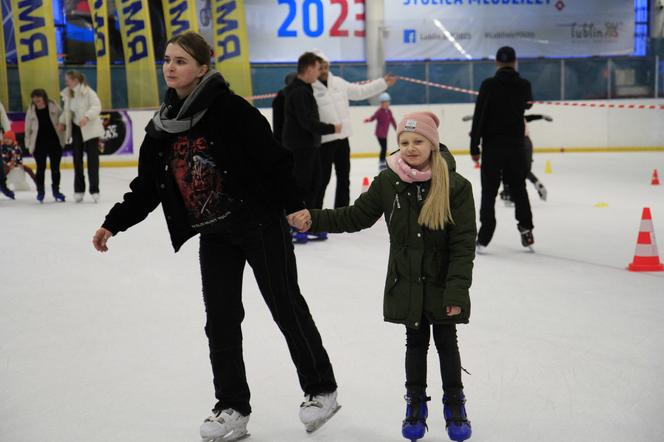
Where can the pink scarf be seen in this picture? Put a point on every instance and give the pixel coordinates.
(405, 172)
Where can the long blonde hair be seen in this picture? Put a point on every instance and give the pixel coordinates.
(436, 211)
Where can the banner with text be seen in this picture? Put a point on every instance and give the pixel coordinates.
(35, 44)
(4, 88)
(458, 29)
(99, 17)
(138, 53)
(231, 45)
(179, 16)
(281, 30)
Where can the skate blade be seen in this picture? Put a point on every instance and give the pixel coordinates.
(227, 438)
(530, 249)
(319, 423)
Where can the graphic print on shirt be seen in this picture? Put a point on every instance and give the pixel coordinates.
(199, 181)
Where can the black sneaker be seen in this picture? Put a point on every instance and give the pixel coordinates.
(527, 238)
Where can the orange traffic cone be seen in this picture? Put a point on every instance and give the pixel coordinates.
(365, 184)
(646, 258)
(655, 178)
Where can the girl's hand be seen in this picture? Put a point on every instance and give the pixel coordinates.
(100, 238)
(367, 120)
(83, 121)
(61, 127)
(452, 310)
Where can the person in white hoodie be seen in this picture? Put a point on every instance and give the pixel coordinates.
(332, 96)
(83, 127)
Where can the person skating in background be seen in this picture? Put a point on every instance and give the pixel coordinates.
(383, 117)
(278, 108)
(210, 159)
(3, 184)
(81, 124)
(303, 129)
(505, 194)
(332, 96)
(43, 141)
(498, 122)
(12, 162)
(430, 216)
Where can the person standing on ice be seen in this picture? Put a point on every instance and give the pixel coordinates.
(332, 97)
(43, 141)
(81, 124)
(498, 122)
(430, 216)
(209, 158)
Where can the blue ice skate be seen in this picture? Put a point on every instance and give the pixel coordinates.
(456, 419)
(6, 192)
(300, 237)
(415, 424)
(320, 236)
(58, 196)
(40, 196)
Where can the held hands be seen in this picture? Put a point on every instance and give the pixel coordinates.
(452, 310)
(61, 127)
(337, 128)
(390, 79)
(300, 220)
(99, 239)
(83, 121)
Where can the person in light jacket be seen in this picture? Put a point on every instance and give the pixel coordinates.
(332, 94)
(81, 123)
(5, 123)
(42, 140)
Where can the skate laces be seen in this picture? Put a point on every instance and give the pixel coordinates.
(217, 415)
(415, 407)
(313, 401)
(455, 406)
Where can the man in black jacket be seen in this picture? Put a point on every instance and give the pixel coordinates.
(302, 126)
(278, 108)
(498, 122)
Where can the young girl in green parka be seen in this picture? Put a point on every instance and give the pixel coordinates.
(430, 215)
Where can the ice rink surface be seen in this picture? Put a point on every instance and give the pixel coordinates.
(563, 345)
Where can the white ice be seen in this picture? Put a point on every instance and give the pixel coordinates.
(563, 345)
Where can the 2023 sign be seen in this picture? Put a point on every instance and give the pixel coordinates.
(312, 16)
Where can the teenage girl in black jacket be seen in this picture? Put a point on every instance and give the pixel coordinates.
(210, 159)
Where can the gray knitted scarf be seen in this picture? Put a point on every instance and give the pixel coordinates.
(178, 124)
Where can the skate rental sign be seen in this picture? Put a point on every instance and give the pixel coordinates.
(474, 29)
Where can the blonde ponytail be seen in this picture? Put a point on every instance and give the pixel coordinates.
(436, 211)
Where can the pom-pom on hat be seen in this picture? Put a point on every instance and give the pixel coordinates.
(423, 123)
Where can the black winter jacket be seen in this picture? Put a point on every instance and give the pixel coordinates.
(302, 126)
(499, 109)
(257, 169)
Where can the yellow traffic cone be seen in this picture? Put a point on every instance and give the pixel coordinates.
(547, 168)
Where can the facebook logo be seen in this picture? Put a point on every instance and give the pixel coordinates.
(409, 36)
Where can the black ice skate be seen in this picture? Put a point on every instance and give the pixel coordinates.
(527, 238)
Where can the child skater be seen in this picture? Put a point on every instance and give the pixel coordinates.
(384, 118)
(430, 217)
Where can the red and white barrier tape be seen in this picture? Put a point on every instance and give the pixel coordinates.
(547, 103)
(258, 97)
(439, 86)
